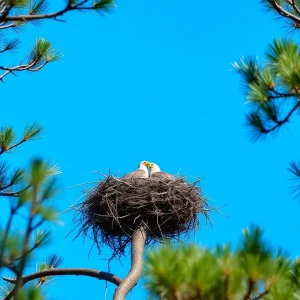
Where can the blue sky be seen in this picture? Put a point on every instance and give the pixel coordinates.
(153, 81)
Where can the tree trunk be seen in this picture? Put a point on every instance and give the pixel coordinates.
(137, 253)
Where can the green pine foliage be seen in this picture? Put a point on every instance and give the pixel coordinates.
(251, 271)
(29, 192)
(273, 89)
(17, 14)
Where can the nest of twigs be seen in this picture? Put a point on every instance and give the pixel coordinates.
(116, 208)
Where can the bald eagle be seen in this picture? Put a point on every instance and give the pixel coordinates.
(141, 172)
(156, 173)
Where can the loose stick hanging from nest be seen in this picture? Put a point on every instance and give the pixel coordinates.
(119, 212)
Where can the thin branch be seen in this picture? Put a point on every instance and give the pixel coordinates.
(11, 25)
(295, 7)
(17, 144)
(7, 229)
(251, 285)
(23, 67)
(20, 67)
(261, 295)
(226, 287)
(284, 12)
(280, 95)
(26, 248)
(283, 121)
(24, 18)
(38, 68)
(7, 186)
(69, 271)
(14, 194)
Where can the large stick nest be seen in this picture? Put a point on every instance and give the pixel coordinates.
(116, 208)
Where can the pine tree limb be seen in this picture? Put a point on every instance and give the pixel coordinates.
(226, 287)
(260, 127)
(19, 68)
(63, 272)
(14, 194)
(69, 7)
(295, 7)
(13, 146)
(70, 271)
(11, 25)
(283, 12)
(284, 120)
(261, 295)
(251, 286)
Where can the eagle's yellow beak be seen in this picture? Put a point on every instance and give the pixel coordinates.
(147, 164)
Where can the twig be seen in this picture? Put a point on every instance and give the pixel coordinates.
(27, 18)
(17, 144)
(14, 194)
(295, 7)
(261, 295)
(226, 287)
(7, 229)
(11, 25)
(63, 272)
(70, 271)
(25, 249)
(284, 12)
(251, 285)
(283, 121)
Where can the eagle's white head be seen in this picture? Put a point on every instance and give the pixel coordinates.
(143, 165)
(154, 168)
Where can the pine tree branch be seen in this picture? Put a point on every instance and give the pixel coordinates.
(4, 50)
(25, 18)
(22, 67)
(6, 186)
(281, 95)
(226, 287)
(7, 229)
(284, 12)
(283, 121)
(38, 68)
(3, 7)
(64, 272)
(70, 271)
(295, 7)
(26, 248)
(137, 252)
(251, 285)
(261, 295)
(14, 194)
(13, 146)
(11, 25)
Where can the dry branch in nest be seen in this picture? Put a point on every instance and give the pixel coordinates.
(116, 208)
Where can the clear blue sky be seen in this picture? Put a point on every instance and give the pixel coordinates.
(153, 81)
